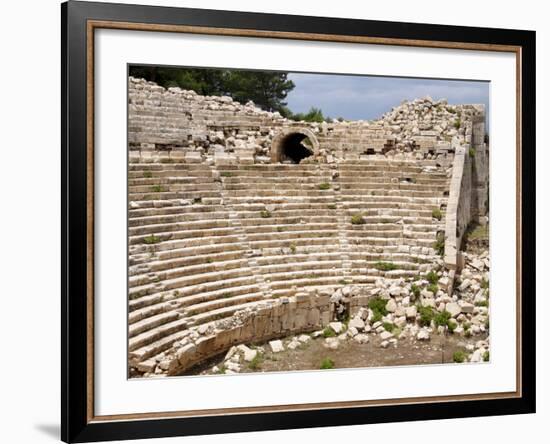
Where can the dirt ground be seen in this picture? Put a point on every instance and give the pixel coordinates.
(350, 354)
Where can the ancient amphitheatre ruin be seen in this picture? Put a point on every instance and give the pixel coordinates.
(248, 228)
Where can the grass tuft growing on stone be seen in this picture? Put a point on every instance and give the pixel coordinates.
(436, 214)
(158, 189)
(378, 307)
(388, 326)
(385, 266)
(265, 214)
(486, 356)
(226, 174)
(426, 315)
(432, 277)
(328, 332)
(147, 174)
(459, 356)
(415, 290)
(442, 319)
(357, 219)
(439, 244)
(256, 363)
(324, 186)
(326, 364)
(151, 239)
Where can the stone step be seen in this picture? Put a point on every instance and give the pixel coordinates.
(224, 268)
(268, 269)
(183, 298)
(151, 322)
(181, 230)
(187, 238)
(226, 302)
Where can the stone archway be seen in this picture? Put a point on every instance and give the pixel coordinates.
(294, 145)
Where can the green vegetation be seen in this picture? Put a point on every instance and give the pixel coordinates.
(459, 356)
(158, 189)
(331, 206)
(328, 332)
(472, 152)
(313, 115)
(388, 326)
(442, 319)
(436, 214)
(326, 364)
(439, 244)
(151, 239)
(378, 307)
(147, 174)
(415, 290)
(432, 277)
(357, 219)
(280, 229)
(486, 356)
(293, 248)
(197, 200)
(256, 363)
(457, 123)
(434, 288)
(484, 283)
(482, 303)
(324, 186)
(265, 214)
(426, 315)
(385, 266)
(226, 174)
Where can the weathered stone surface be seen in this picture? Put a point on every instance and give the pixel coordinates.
(337, 327)
(276, 346)
(423, 335)
(453, 308)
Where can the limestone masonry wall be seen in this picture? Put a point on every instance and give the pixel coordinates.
(245, 226)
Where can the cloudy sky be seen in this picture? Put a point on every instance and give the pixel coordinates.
(367, 97)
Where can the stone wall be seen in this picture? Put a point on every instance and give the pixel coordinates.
(469, 189)
(304, 312)
(174, 123)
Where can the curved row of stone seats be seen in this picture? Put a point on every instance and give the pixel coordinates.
(188, 264)
(249, 233)
(290, 222)
(397, 201)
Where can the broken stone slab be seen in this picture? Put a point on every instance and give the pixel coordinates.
(332, 343)
(357, 323)
(410, 312)
(249, 354)
(391, 305)
(423, 335)
(453, 308)
(466, 307)
(276, 346)
(337, 327)
(386, 335)
(361, 338)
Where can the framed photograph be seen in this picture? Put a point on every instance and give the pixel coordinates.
(275, 221)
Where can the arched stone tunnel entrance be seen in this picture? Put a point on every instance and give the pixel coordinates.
(293, 145)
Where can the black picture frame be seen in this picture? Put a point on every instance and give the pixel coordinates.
(76, 423)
